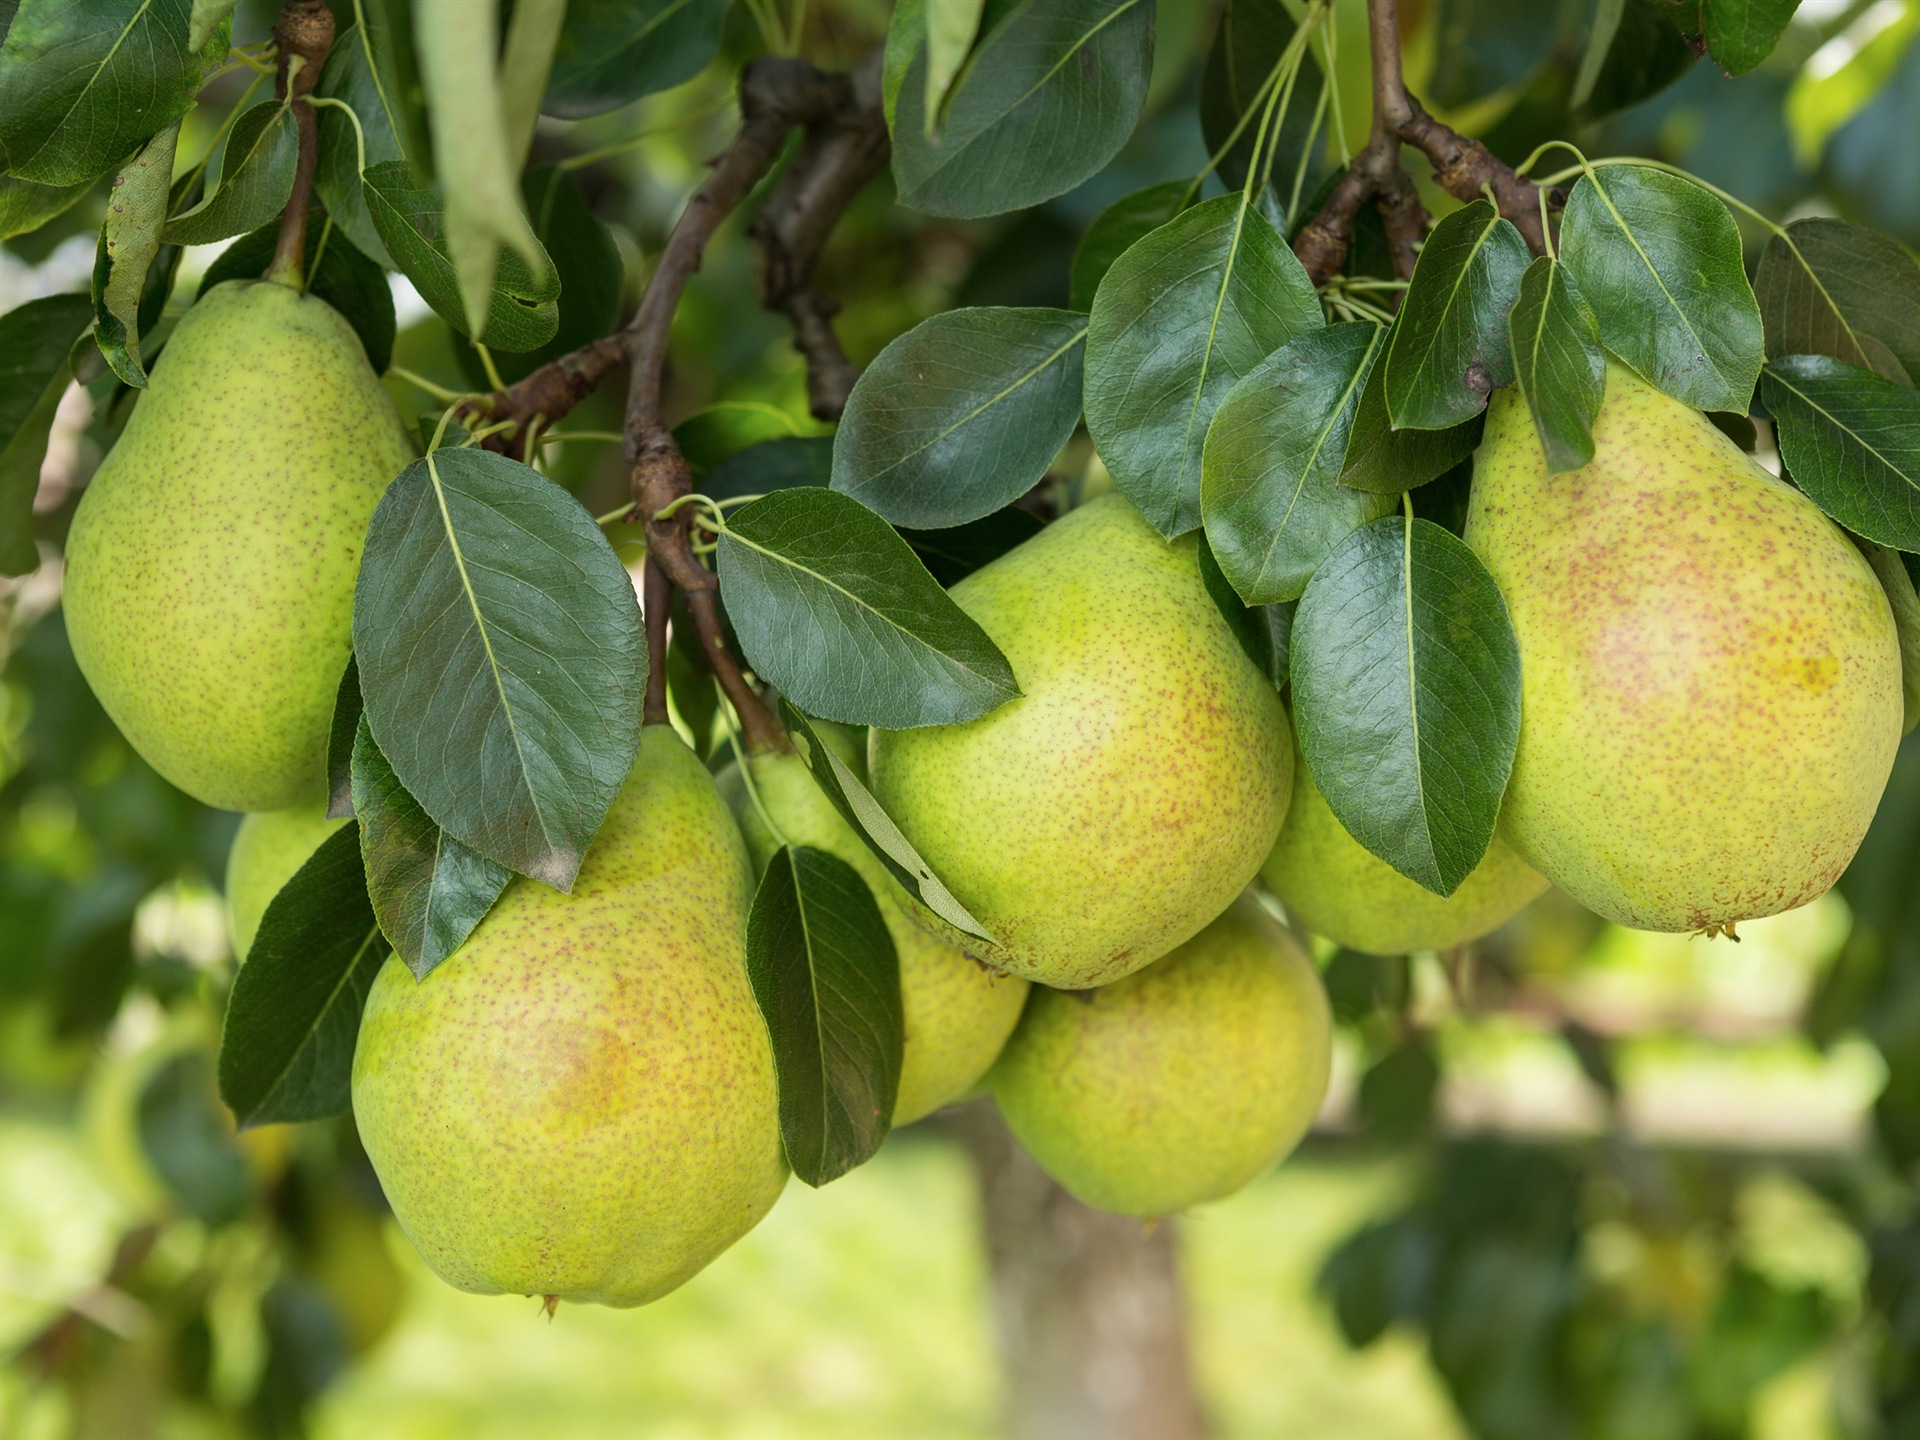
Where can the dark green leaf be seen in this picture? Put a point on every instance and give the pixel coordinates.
(129, 241)
(1449, 350)
(710, 437)
(1248, 43)
(1830, 288)
(1114, 230)
(1270, 486)
(961, 415)
(875, 828)
(1489, 45)
(834, 610)
(1851, 440)
(186, 1140)
(523, 316)
(256, 177)
(1558, 363)
(360, 73)
(1406, 692)
(1265, 632)
(1659, 260)
(1742, 33)
(428, 890)
(341, 734)
(25, 206)
(35, 341)
(84, 85)
(294, 1011)
(1179, 319)
(1047, 98)
(1647, 55)
(336, 272)
(501, 657)
(827, 980)
(955, 552)
(614, 51)
(772, 465)
(1386, 461)
(1897, 580)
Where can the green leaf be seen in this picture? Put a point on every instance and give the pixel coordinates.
(1265, 632)
(256, 177)
(1406, 692)
(827, 980)
(294, 1012)
(523, 314)
(336, 272)
(526, 62)
(342, 732)
(1851, 440)
(951, 28)
(1386, 461)
(710, 437)
(1830, 288)
(361, 73)
(955, 552)
(1897, 581)
(1047, 99)
(428, 890)
(1177, 322)
(961, 415)
(1449, 349)
(612, 52)
(846, 793)
(1558, 363)
(208, 17)
(1270, 486)
(1250, 38)
(25, 207)
(84, 85)
(834, 611)
(1659, 260)
(1114, 230)
(772, 465)
(1742, 33)
(129, 240)
(906, 39)
(35, 341)
(501, 657)
(189, 1143)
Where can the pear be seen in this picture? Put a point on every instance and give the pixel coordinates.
(1336, 887)
(1710, 673)
(579, 1102)
(210, 568)
(268, 849)
(958, 1013)
(1178, 1084)
(1132, 791)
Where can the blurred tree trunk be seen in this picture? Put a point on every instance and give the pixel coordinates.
(1092, 1321)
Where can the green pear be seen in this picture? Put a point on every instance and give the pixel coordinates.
(579, 1101)
(1710, 675)
(958, 1013)
(267, 851)
(210, 569)
(1132, 791)
(1178, 1084)
(1336, 887)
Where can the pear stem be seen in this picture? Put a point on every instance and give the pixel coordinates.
(305, 34)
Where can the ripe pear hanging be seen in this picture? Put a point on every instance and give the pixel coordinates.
(210, 569)
(1134, 788)
(579, 1101)
(1710, 674)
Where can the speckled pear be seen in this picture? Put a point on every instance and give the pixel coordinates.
(1180, 1083)
(210, 569)
(958, 1012)
(1132, 791)
(268, 850)
(1337, 888)
(579, 1102)
(1710, 676)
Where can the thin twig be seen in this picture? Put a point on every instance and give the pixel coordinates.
(304, 33)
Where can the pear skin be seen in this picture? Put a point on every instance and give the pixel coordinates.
(958, 1013)
(579, 1102)
(267, 851)
(1132, 791)
(1337, 888)
(1710, 675)
(1178, 1084)
(210, 568)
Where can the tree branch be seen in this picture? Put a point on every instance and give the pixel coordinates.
(304, 32)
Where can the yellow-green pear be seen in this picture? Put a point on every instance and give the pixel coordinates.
(267, 851)
(1180, 1083)
(1710, 676)
(579, 1102)
(1132, 791)
(210, 569)
(958, 1012)
(1336, 887)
